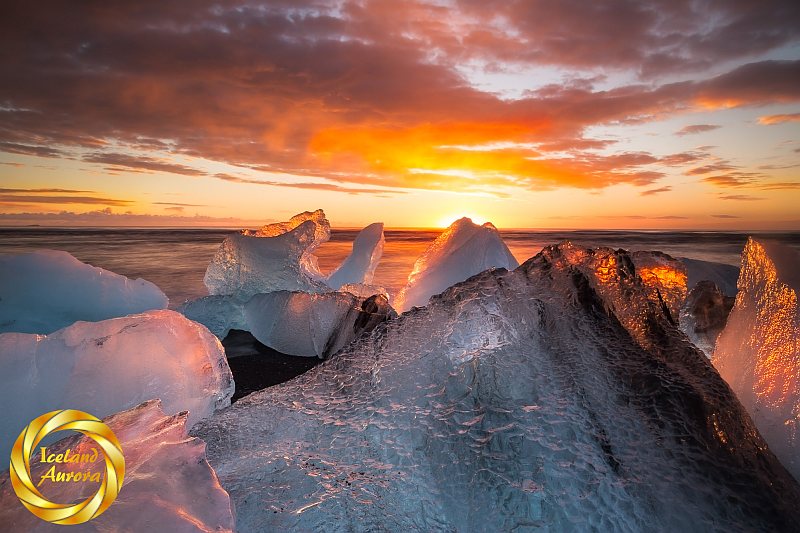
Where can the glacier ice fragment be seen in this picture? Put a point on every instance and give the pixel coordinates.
(276, 257)
(168, 486)
(758, 352)
(107, 366)
(46, 290)
(300, 323)
(463, 250)
(219, 313)
(359, 267)
(560, 396)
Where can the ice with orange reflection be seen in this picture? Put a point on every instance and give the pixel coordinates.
(463, 250)
(758, 352)
(559, 396)
(169, 485)
(615, 275)
(107, 366)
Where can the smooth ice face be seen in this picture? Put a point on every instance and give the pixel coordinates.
(513, 401)
(463, 250)
(724, 276)
(46, 290)
(169, 485)
(299, 323)
(219, 313)
(276, 257)
(105, 367)
(758, 352)
(360, 265)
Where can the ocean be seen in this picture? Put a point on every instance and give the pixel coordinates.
(175, 259)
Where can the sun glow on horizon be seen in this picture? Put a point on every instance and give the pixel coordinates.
(445, 221)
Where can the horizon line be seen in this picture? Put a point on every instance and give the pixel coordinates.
(404, 228)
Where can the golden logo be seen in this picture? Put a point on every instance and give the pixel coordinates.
(27, 491)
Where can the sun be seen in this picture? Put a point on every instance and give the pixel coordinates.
(445, 221)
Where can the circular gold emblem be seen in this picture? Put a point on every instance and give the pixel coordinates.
(20, 470)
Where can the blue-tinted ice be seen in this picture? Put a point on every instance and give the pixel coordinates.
(560, 396)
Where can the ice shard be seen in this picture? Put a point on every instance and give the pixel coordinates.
(704, 315)
(463, 250)
(560, 396)
(360, 265)
(107, 366)
(276, 257)
(169, 485)
(299, 323)
(46, 290)
(758, 352)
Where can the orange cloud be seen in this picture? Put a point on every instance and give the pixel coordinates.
(769, 120)
(469, 157)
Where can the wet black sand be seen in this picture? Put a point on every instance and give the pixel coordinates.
(256, 366)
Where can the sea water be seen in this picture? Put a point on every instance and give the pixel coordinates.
(175, 259)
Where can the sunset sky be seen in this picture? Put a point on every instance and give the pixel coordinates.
(531, 114)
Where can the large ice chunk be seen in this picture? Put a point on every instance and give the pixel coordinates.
(46, 290)
(169, 485)
(299, 323)
(276, 257)
(514, 401)
(463, 250)
(360, 265)
(758, 352)
(104, 367)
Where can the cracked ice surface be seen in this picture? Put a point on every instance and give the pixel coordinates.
(463, 250)
(104, 367)
(558, 396)
(277, 257)
(758, 352)
(46, 290)
(169, 485)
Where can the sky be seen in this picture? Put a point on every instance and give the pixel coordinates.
(653, 114)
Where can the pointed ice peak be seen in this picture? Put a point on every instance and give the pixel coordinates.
(463, 250)
(773, 260)
(758, 352)
(360, 265)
